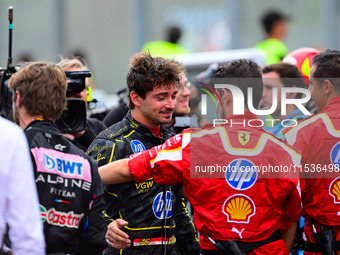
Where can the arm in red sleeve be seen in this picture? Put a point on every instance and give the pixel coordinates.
(163, 163)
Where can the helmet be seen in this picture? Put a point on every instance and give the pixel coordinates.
(302, 58)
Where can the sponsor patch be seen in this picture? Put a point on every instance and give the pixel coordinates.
(154, 241)
(241, 174)
(144, 187)
(66, 182)
(137, 146)
(334, 190)
(238, 231)
(162, 208)
(335, 155)
(239, 208)
(43, 213)
(243, 138)
(62, 164)
(59, 147)
(61, 219)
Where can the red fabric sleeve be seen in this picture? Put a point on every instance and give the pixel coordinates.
(139, 165)
(163, 163)
(292, 208)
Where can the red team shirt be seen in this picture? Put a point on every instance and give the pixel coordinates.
(231, 199)
(318, 137)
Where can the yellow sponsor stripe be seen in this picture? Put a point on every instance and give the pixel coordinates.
(113, 194)
(159, 227)
(291, 135)
(247, 151)
(113, 149)
(129, 134)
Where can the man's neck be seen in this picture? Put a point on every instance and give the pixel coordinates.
(137, 115)
(26, 120)
(172, 122)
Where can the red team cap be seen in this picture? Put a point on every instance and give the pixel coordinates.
(302, 58)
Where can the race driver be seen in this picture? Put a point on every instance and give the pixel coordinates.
(158, 222)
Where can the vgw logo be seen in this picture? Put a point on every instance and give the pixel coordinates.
(238, 100)
(241, 174)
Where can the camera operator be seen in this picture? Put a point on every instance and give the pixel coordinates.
(93, 126)
(69, 188)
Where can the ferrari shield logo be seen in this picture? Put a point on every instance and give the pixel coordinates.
(243, 138)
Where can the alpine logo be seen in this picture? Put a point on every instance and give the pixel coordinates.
(241, 174)
(61, 219)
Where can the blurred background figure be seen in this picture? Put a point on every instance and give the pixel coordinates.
(275, 25)
(169, 47)
(180, 117)
(118, 112)
(19, 200)
(24, 58)
(201, 83)
(302, 58)
(278, 76)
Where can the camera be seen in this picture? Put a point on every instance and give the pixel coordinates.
(73, 119)
(5, 92)
(76, 81)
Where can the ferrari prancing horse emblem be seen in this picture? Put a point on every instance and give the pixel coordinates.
(243, 138)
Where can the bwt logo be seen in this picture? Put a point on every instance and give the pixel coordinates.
(238, 100)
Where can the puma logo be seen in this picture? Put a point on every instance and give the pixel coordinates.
(237, 232)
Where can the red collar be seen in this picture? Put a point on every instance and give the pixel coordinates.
(156, 131)
(332, 105)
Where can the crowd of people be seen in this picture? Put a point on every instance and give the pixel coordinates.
(124, 188)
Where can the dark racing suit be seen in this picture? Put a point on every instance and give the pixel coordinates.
(155, 223)
(70, 192)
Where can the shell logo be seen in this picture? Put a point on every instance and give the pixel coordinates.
(239, 208)
(334, 190)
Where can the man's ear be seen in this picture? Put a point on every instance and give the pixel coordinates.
(135, 98)
(18, 98)
(226, 96)
(327, 87)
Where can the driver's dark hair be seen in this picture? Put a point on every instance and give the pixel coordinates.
(327, 66)
(244, 74)
(147, 72)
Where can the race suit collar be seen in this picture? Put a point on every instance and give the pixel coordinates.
(44, 125)
(333, 104)
(145, 129)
